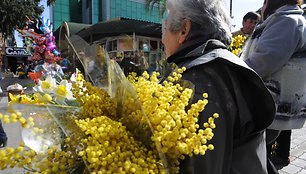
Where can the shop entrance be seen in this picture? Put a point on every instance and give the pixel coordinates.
(14, 62)
(14, 57)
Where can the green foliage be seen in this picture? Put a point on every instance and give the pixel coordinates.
(50, 2)
(13, 14)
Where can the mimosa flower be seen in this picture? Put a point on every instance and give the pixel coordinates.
(102, 133)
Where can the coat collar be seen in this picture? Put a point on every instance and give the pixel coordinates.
(194, 49)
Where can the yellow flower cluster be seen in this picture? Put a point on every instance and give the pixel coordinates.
(94, 101)
(11, 157)
(36, 98)
(14, 117)
(53, 161)
(112, 149)
(48, 160)
(237, 44)
(174, 128)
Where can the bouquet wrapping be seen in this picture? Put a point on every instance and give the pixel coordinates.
(109, 123)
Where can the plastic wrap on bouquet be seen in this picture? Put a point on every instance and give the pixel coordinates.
(92, 59)
(107, 74)
(50, 133)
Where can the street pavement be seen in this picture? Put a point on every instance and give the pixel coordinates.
(10, 80)
(13, 130)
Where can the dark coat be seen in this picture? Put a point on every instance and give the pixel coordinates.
(245, 107)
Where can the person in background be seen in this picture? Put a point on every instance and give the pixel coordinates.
(31, 67)
(0, 75)
(119, 58)
(151, 68)
(21, 70)
(65, 65)
(249, 22)
(3, 136)
(280, 156)
(126, 64)
(142, 62)
(26, 70)
(197, 37)
(277, 52)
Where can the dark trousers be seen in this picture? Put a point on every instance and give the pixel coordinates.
(283, 144)
(2, 133)
(271, 138)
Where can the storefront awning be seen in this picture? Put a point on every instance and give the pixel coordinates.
(120, 26)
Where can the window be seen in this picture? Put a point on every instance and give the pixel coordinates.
(102, 43)
(144, 45)
(112, 45)
(126, 44)
(115, 45)
(162, 47)
(153, 45)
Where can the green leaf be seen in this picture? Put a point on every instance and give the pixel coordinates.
(29, 85)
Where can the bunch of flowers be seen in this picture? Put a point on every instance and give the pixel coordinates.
(174, 127)
(134, 125)
(236, 46)
(47, 92)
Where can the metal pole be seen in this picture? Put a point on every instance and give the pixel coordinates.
(231, 8)
(92, 12)
(134, 41)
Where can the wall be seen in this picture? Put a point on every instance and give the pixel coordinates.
(134, 10)
(66, 10)
(80, 11)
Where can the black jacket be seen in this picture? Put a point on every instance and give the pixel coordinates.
(245, 107)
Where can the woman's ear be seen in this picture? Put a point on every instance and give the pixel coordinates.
(184, 31)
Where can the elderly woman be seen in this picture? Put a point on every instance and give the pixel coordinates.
(197, 37)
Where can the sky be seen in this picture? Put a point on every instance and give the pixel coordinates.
(45, 14)
(239, 9)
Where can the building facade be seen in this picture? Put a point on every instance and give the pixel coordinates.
(10, 55)
(120, 37)
(94, 11)
(122, 27)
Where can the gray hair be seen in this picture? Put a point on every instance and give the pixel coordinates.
(209, 18)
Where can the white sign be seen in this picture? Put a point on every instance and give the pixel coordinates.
(16, 51)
